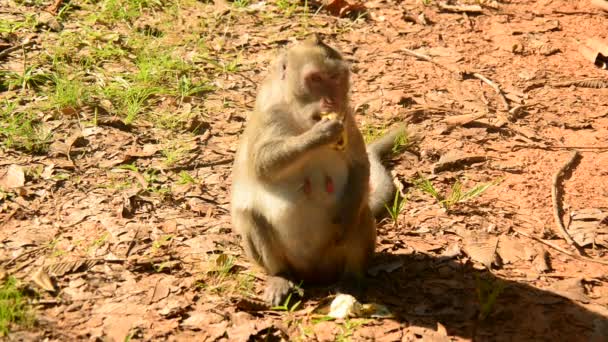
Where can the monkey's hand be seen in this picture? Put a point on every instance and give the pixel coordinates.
(327, 132)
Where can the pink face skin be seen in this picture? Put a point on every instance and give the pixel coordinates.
(329, 88)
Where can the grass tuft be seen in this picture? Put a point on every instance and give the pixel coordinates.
(14, 308)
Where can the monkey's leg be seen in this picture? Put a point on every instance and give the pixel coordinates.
(361, 245)
(349, 206)
(263, 247)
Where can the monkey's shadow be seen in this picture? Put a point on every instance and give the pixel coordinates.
(428, 290)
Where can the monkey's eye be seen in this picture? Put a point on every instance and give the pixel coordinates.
(316, 117)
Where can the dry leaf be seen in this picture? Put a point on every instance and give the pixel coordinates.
(481, 248)
(42, 279)
(461, 120)
(62, 268)
(174, 306)
(117, 327)
(13, 178)
(510, 250)
(586, 227)
(571, 288)
(342, 8)
(540, 261)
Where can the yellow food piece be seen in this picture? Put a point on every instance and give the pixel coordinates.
(330, 116)
(340, 145)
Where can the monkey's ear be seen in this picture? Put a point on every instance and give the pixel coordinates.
(315, 39)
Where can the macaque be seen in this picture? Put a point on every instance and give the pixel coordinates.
(305, 188)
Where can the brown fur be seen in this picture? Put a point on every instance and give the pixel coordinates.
(293, 224)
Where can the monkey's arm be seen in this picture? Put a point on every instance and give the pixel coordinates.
(357, 184)
(278, 153)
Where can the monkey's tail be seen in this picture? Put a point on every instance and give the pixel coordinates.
(382, 187)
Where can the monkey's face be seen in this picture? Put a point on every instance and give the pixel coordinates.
(317, 76)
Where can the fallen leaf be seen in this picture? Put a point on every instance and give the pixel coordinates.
(510, 250)
(571, 288)
(387, 267)
(481, 248)
(245, 327)
(461, 120)
(61, 268)
(118, 327)
(42, 279)
(342, 8)
(173, 307)
(586, 227)
(13, 178)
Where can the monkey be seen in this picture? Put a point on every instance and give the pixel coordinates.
(305, 209)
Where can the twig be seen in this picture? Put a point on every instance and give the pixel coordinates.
(26, 253)
(428, 59)
(601, 148)
(559, 249)
(556, 205)
(460, 8)
(495, 87)
(11, 49)
(463, 74)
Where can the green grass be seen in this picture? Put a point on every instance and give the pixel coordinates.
(14, 308)
(69, 92)
(488, 292)
(32, 77)
(240, 3)
(402, 141)
(371, 133)
(455, 195)
(29, 22)
(348, 328)
(396, 207)
(186, 178)
(288, 7)
(286, 306)
(21, 130)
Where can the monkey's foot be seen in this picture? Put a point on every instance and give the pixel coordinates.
(277, 289)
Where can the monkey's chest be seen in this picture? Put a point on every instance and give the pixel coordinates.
(323, 181)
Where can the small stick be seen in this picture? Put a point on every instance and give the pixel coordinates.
(554, 195)
(461, 8)
(559, 249)
(14, 48)
(561, 147)
(23, 254)
(474, 74)
(495, 87)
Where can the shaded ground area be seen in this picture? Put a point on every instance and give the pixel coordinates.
(119, 121)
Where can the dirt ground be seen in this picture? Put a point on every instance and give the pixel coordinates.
(119, 222)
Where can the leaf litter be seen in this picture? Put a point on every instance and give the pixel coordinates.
(120, 219)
